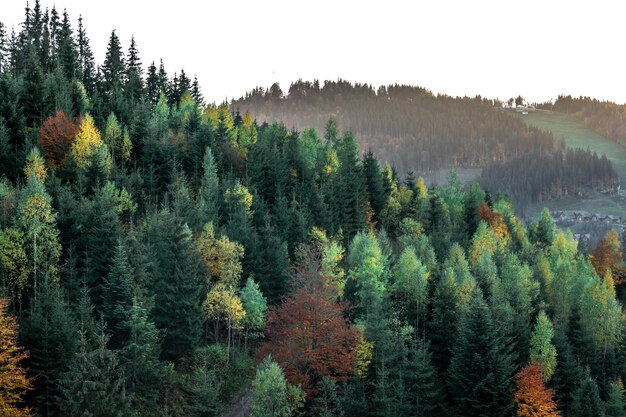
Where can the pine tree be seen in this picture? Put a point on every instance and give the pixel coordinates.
(204, 388)
(208, 194)
(480, 374)
(374, 182)
(32, 96)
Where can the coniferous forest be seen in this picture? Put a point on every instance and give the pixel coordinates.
(160, 256)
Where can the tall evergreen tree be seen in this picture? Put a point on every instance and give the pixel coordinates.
(94, 385)
(481, 370)
(117, 297)
(587, 400)
(177, 287)
(50, 332)
(86, 65)
(67, 49)
(134, 73)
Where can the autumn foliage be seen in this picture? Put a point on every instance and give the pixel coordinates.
(496, 222)
(532, 397)
(309, 337)
(608, 256)
(55, 138)
(13, 381)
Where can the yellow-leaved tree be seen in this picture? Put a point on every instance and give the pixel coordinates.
(13, 381)
(87, 142)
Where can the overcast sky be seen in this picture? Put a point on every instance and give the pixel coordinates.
(494, 48)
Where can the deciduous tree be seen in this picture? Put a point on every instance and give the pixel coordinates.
(533, 399)
(13, 381)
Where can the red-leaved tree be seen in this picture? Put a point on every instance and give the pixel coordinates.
(55, 138)
(308, 335)
(532, 397)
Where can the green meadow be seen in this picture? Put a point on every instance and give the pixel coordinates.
(576, 135)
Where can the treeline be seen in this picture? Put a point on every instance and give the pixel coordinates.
(49, 65)
(160, 264)
(407, 126)
(604, 117)
(534, 178)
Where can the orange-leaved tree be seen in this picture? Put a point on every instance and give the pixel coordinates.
(608, 255)
(308, 335)
(532, 397)
(13, 381)
(55, 138)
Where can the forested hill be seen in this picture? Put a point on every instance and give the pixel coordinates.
(407, 126)
(160, 257)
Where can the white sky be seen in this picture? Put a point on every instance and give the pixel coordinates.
(500, 48)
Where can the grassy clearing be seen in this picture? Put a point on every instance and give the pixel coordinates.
(576, 135)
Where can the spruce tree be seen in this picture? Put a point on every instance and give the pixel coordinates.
(134, 74)
(423, 392)
(139, 357)
(94, 384)
(86, 63)
(479, 379)
(51, 333)
(177, 286)
(587, 402)
(117, 297)
(67, 49)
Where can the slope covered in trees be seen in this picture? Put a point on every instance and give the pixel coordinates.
(408, 126)
(159, 255)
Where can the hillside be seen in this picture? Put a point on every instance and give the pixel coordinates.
(160, 257)
(576, 135)
(408, 126)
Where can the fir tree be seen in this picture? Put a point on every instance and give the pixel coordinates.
(481, 370)
(177, 286)
(94, 385)
(587, 401)
(51, 332)
(117, 297)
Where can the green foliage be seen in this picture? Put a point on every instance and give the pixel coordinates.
(479, 379)
(271, 394)
(177, 286)
(94, 383)
(255, 306)
(368, 271)
(542, 350)
(587, 400)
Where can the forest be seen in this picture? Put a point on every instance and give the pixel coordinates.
(160, 256)
(534, 178)
(410, 127)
